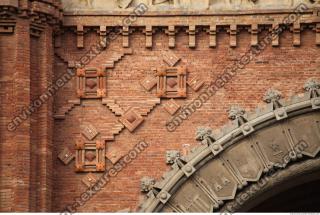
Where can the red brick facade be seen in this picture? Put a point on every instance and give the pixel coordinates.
(33, 178)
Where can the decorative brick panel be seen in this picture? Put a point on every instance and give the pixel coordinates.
(66, 156)
(171, 106)
(89, 180)
(131, 119)
(90, 156)
(91, 83)
(89, 131)
(195, 83)
(149, 82)
(172, 83)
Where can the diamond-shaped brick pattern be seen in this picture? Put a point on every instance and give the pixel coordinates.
(131, 119)
(66, 156)
(148, 83)
(170, 58)
(171, 106)
(114, 153)
(89, 131)
(171, 82)
(89, 180)
(195, 83)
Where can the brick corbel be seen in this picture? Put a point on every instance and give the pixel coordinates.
(103, 35)
(254, 34)
(213, 36)
(233, 35)
(125, 36)
(80, 34)
(171, 32)
(275, 40)
(192, 36)
(148, 32)
(296, 29)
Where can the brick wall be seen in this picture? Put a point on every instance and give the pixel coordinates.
(285, 68)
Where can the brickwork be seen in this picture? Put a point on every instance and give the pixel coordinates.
(35, 175)
(281, 67)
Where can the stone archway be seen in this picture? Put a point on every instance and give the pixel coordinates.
(254, 150)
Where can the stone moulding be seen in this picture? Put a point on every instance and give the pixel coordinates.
(192, 186)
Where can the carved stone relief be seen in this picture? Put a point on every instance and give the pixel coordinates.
(164, 5)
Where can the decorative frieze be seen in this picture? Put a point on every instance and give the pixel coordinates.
(91, 83)
(90, 156)
(172, 82)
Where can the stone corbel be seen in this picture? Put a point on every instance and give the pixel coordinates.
(318, 34)
(275, 40)
(125, 36)
(213, 36)
(254, 34)
(148, 32)
(296, 29)
(103, 35)
(192, 36)
(80, 34)
(233, 35)
(171, 32)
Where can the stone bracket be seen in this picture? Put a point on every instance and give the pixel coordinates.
(125, 36)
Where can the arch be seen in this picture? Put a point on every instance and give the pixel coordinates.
(263, 146)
